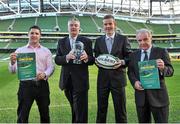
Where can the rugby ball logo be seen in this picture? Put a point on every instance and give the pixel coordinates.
(106, 61)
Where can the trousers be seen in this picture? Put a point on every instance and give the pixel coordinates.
(28, 92)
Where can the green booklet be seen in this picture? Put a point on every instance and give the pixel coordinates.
(149, 74)
(26, 66)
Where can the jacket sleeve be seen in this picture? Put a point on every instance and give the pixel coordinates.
(126, 50)
(60, 58)
(168, 70)
(89, 52)
(131, 70)
(96, 48)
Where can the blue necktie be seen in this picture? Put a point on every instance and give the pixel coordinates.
(109, 44)
(72, 42)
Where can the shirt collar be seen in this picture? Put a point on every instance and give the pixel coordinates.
(29, 46)
(112, 36)
(148, 50)
(72, 38)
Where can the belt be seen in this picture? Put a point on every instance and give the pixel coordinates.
(33, 82)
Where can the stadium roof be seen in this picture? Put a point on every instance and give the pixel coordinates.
(145, 9)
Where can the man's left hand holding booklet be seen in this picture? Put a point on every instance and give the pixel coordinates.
(26, 66)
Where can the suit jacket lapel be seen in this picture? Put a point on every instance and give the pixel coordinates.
(78, 38)
(152, 54)
(137, 59)
(115, 44)
(103, 44)
(67, 44)
(138, 56)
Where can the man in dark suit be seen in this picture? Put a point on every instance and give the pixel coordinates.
(112, 80)
(149, 101)
(74, 78)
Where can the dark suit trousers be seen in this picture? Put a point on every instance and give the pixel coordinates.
(160, 114)
(119, 101)
(79, 105)
(27, 93)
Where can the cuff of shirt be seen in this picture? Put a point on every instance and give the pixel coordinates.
(123, 62)
(67, 60)
(12, 68)
(86, 60)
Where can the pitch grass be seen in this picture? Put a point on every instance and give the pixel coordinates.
(59, 108)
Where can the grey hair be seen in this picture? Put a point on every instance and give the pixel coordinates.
(143, 30)
(73, 19)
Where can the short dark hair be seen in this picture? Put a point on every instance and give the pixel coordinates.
(108, 17)
(35, 27)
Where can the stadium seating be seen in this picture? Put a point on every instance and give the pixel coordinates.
(89, 25)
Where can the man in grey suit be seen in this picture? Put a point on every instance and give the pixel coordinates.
(149, 101)
(112, 80)
(74, 78)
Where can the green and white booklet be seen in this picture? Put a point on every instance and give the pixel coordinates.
(26, 66)
(149, 74)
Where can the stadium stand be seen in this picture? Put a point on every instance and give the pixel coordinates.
(15, 21)
(49, 23)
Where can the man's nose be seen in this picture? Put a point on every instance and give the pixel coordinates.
(108, 25)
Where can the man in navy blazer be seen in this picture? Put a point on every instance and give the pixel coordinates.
(149, 101)
(74, 78)
(112, 80)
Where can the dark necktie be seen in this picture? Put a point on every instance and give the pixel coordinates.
(146, 56)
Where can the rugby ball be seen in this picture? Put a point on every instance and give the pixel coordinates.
(106, 61)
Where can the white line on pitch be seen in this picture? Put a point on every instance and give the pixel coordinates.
(64, 105)
(51, 106)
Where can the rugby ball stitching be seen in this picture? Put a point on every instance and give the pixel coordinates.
(106, 61)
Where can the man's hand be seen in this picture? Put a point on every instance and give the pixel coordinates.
(70, 55)
(41, 76)
(13, 58)
(138, 86)
(160, 64)
(118, 64)
(84, 56)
